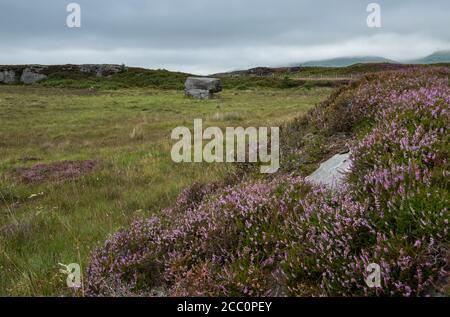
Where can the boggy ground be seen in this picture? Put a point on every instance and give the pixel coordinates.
(71, 204)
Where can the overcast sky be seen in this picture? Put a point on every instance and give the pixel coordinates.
(208, 36)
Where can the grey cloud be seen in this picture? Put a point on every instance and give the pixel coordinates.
(210, 35)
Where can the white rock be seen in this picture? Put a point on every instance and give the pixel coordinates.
(331, 173)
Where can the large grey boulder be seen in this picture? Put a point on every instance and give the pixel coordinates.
(7, 76)
(202, 87)
(331, 173)
(199, 93)
(31, 75)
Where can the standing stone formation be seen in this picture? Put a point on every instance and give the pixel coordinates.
(202, 87)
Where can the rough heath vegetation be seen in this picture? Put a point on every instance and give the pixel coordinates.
(284, 236)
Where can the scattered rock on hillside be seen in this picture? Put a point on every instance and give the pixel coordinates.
(331, 173)
(260, 72)
(31, 75)
(101, 70)
(201, 87)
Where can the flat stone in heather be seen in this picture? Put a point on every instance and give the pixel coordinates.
(331, 173)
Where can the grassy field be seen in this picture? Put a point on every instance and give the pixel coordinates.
(128, 132)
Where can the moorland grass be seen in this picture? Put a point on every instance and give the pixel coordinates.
(128, 132)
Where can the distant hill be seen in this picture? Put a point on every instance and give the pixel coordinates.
(436, 57)
(347, 61)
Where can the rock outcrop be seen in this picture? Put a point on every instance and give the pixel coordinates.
(32, 75)
(29, 74)
(331, 173)
(7, 76)
(202, 87)
(101, 70)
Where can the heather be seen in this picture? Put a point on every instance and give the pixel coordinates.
(283, 236)
(67, 170)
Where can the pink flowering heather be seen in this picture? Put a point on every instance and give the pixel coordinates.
(283, 237)
(401, 170)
